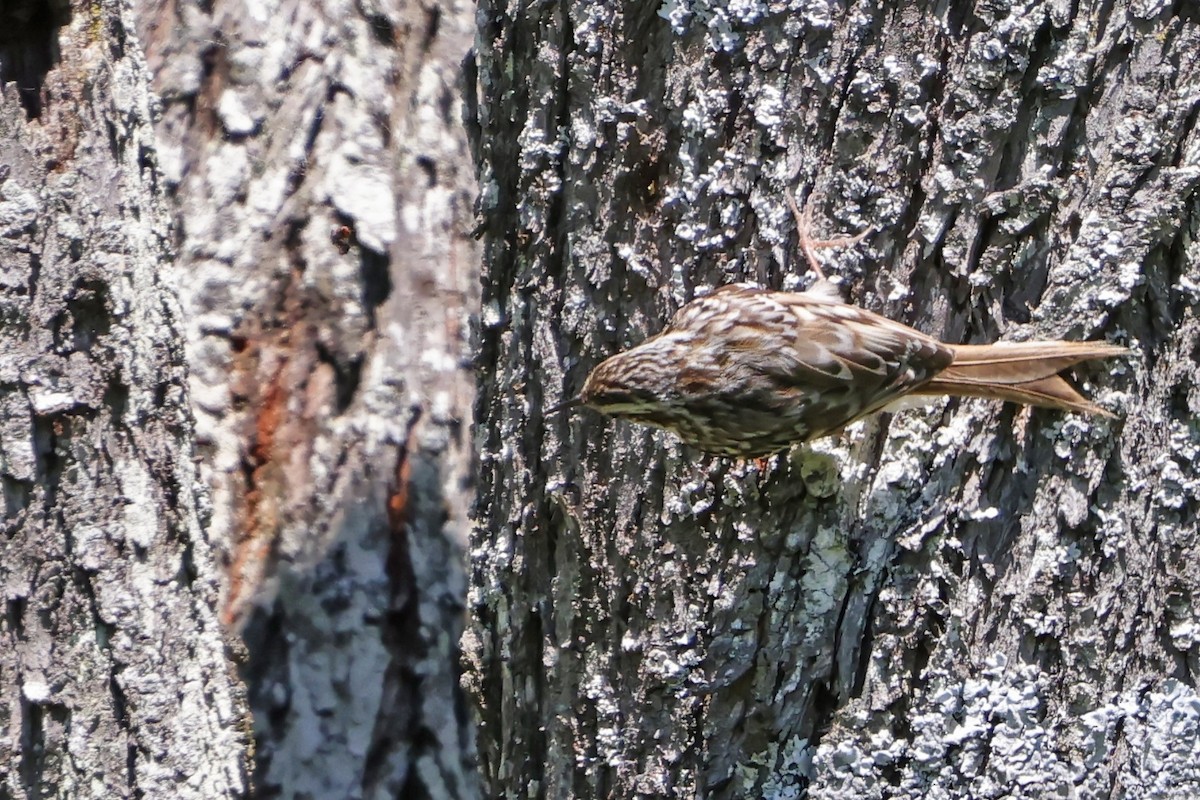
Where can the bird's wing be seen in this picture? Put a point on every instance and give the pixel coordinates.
(866, 361)
(841, 361)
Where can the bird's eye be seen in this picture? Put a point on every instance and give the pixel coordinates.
(613, 397)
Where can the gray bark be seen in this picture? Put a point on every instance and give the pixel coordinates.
(330, 388)
(114, 679)
(969, 600)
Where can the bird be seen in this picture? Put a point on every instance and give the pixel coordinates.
(748, 372)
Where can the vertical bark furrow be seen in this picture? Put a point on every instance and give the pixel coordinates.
(934, 599)
(112, 661)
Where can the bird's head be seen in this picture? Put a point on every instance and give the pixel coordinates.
(638, 384)
(622, 386)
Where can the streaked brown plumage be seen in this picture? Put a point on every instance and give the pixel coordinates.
(748, 372)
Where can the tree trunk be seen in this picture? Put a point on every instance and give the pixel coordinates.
(330, 386)
(969, 600)
(114, 679)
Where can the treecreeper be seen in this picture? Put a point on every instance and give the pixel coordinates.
(748, 372)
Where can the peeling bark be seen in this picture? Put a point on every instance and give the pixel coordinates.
(323, 193)
(969, 600)
(114, 679)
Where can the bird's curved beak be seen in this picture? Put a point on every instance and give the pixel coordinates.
(574, 402)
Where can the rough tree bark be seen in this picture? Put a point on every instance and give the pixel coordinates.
(114, 679)
(968, 600)
(330, 388)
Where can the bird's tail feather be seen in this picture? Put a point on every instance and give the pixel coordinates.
(1021, 372)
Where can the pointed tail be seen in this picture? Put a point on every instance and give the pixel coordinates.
(1021, 372)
